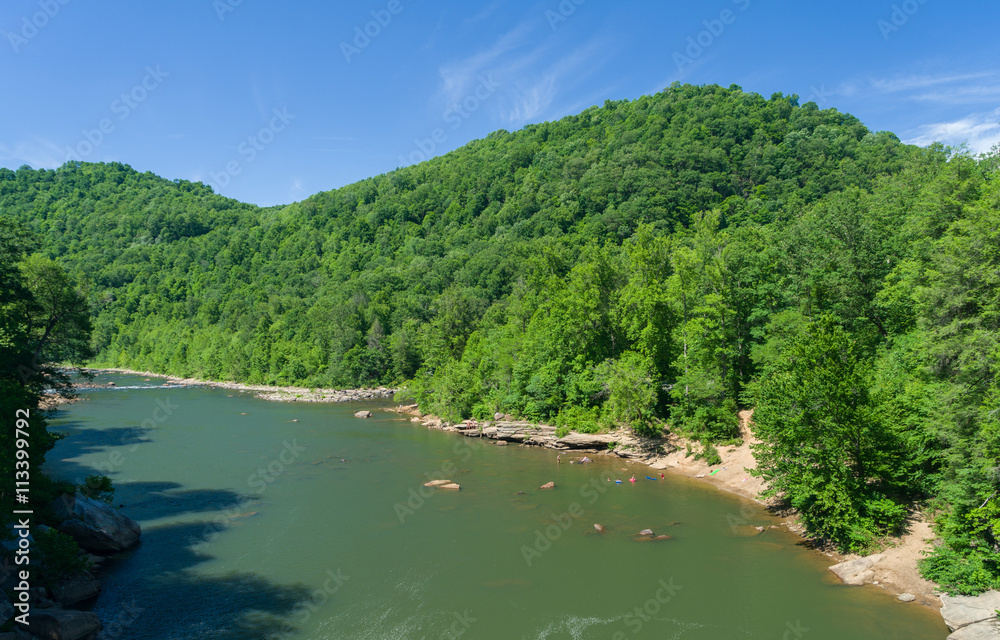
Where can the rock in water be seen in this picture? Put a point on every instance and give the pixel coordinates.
(548, 485)
(437, 483)
(858, 571)
(906, 597)
(599, 528)
(646, 532)
(363, 414)
(451, 485)
(96, 526)
(76, 589)
(60, 624)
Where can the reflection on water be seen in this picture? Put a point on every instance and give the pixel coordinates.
(299, 521)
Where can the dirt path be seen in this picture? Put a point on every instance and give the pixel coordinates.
(896, 573)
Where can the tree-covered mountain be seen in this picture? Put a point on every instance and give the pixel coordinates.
(657, 263)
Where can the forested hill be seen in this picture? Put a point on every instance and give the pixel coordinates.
(656, 263)
(366, 283)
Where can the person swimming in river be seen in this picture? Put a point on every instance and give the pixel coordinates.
(632, 479)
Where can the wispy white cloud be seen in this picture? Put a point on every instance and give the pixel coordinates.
(485, 13)
(37, 153)
(945, 88)
(964, 95)
(531, 77)
(297, 190)
(524, 103)
(531, 99)
(981, 131)
(459, 77)
(912, 82)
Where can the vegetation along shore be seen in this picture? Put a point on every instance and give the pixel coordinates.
(656, 267)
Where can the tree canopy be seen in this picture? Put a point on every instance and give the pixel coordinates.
(657, 263)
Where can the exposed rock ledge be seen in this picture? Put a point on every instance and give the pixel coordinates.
(972, 617)
(529, 433)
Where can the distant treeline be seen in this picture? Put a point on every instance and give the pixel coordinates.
(657, 263)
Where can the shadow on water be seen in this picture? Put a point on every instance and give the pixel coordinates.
(153, 593)
(153, 500)
(78, 441)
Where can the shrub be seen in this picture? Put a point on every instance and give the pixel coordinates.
(61, 557)
(98, 488)
(960, 574)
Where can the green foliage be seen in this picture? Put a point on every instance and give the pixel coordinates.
(98, 487)
(649, 261)
(959, 573)
(44, 321)
(824, 447)
(630, 392)
(579, 419)
(60, 555)
(709, 454)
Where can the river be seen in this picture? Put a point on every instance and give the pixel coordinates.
(302, 522)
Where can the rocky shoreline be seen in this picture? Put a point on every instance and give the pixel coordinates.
(894, 570)
(59, 610)
(269, 392)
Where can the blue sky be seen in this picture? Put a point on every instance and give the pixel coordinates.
(271, 102)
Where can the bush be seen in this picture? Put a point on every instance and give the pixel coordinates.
(60, 555)
(98, 488)
(709, 454)
(577, 419)
(959, 574)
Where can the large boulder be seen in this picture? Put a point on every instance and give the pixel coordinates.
(858, 571)
(76, 589)
(988, 630)
(962, 611)
(63, 624)
(6, 609)
(96, 526)
(587, 440)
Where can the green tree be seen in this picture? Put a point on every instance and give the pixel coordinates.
(824, 447)
(44, 321)
(631, 394)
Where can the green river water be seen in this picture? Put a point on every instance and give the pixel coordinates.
(253, 527)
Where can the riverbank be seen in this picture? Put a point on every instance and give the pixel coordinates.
(895, 572)
(268, 392)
